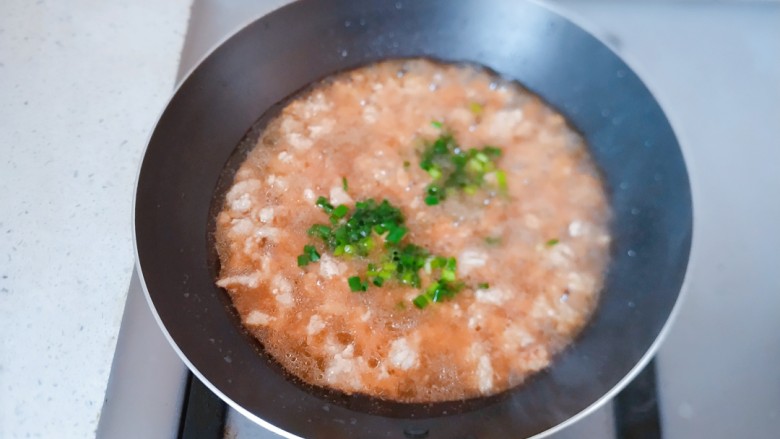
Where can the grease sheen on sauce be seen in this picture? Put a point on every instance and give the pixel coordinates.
(364, 125)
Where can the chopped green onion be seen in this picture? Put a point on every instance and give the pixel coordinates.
(475, 108)
(438, 291)
(311, 252)
(319, 230)
(396, 235)
(492, 151)
(483, 286)
(421, 301)
(357, 285)
(474, 165)
(407, 164)
(434, 172)
(324, 204)
(365, 245)
(453, 168)
(492, 240)
(354, 234)
(436, 124)
(432, 200)
(309, 255)
(451, 264)
(340, 211)
(344, 184)
(551, 242)
(501, 180)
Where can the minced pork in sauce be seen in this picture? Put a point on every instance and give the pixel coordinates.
(529, 235)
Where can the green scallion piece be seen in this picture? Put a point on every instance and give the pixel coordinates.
(451, 264)
(357, 285)
(309, 255)
(501, 180)
(421, 301)
(433, 291)
(319, 230)
(311, 252)
(344, 184)
(551, 242)
(492, 151)
(365, 245)
(436, 124)
(324, 204)
(453, 168)
(434, 172)
(492, 240)
(438, 262)
(340, 211)
(396, 235)
(483, 286)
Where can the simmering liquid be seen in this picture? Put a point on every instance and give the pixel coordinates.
(529, 234)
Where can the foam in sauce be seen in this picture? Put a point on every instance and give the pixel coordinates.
(542, 247)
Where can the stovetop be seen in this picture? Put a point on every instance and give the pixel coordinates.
(714, 69)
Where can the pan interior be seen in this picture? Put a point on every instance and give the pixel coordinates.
(356, 401)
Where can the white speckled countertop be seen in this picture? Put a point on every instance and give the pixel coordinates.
(81, 85)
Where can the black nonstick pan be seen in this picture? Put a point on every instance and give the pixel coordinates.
(249, 75)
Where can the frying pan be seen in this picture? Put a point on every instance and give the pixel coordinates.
(194, 145)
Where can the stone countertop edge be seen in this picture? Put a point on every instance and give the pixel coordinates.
(82, 84)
